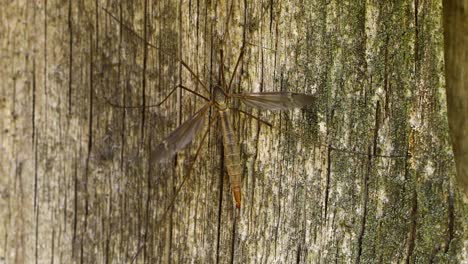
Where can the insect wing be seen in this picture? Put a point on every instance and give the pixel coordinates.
(179, 138)
(275, 100)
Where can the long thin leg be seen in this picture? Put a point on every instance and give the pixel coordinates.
(235, 68)
(221, 69)
(108, 101)
(129, 29)
(184, 88)
(195, 93)
(188, 174)
(252, 116)
(262, 47)
(194, 75)
(157, 48)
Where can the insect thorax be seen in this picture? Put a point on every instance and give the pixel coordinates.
(220, 98)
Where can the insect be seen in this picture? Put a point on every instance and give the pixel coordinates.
(220, 99)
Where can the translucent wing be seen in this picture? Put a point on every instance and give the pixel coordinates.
(275, 100)
(180, 137)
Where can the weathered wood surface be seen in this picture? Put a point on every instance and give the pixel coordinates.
(456, 68)
(365, 175)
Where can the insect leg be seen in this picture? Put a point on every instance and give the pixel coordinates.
(260, 46)
(109, 102)
(195, 93)
(235, 69)
(184, 88)
(252, 116)
(188, 173)
(194, 75)
(221, 69)
(128, 28)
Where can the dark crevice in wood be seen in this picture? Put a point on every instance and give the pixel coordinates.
(33, 116)
(364, 214)
(145, 65)
(414, 222)
(59, 241)
(451, 217)
(90, 146)
(327, 184)
(298, 254)
(233, 241)
(280, 171)
(148, 206)
(385, 81)
(376, 130)
(149, 175)
(52, 253)
(65, 200)
(181, 64)
(272, 15)
(244, 32)
(416, 33)
(124, 93)
(70, 57)
(252, 195)
(414, 200)
(140, 218)
(46, 87)
(34, 141)
(275, 59)
(96, 13)
(110, 226)
(328, 176)
(124, 246)
(372, 152)
(36, 200)
(75, 204)
(220, 203)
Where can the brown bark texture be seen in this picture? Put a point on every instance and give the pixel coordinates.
(364, 175)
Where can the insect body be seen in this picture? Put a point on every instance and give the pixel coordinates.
(185, 133)
(231, 152)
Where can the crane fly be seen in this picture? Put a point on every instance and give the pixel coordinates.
(219, 100)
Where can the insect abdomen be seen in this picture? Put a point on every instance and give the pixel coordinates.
(231, 156)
